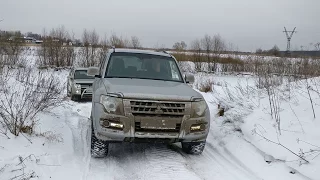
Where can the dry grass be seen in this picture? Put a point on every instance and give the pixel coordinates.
(206, 86)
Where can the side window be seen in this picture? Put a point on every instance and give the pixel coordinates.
(174, 70)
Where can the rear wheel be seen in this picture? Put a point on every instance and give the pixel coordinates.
(99, 148)
(193, 147)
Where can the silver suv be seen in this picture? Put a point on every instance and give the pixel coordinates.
(142, 96)
(79, 85)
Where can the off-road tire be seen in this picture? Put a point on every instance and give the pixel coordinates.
(75, 97)
(99, 148)
(195, 148)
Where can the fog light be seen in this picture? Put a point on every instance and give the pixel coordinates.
(111, 124)
(77, 91)
(105, 123)
(199, 127)
(116, 125)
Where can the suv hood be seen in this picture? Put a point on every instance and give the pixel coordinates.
(151, 89)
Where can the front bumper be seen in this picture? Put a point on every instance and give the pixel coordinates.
(130, 133)
(85, 92)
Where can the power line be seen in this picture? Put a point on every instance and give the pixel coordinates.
(289, 35)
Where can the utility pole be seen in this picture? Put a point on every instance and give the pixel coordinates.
(289, 35)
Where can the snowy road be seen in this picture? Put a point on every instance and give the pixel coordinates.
(226, 156)
(148, 161)
(220, 160)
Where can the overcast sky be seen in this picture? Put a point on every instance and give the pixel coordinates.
(248, 24)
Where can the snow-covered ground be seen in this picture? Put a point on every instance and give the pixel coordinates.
(235, 149)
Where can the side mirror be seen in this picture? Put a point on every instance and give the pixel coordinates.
(93, 71)
(189, 78)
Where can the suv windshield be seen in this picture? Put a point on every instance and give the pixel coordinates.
(142, 66)
(82, 74)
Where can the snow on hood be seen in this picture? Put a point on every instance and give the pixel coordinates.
(151, 89)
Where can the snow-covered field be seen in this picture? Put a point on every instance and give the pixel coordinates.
(238, 146)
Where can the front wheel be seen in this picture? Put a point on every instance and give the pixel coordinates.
(99, 148)
(75, 97)
(193, 147)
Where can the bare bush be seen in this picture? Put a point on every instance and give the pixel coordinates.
(54, 52)
(205, 85)
(13, 53)
(270, 83)
(25, 93)
(256, 131)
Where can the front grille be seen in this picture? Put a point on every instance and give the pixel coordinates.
(85, 86)
(139, 129)
(158, 115)
(157, 108)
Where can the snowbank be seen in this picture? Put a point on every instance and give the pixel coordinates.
(299, 129)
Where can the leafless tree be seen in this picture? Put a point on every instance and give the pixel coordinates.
(54, 51)
(219, 46)
(118, 42)
(89, 54)
(159, 47)
(180, 46)
(135, 42)
(103, 49)
(197, 56)
(213, 47)
(207, 46)
(317, 46)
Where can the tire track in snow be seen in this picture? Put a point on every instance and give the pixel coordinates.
(209, 165)
(231, 161)
(173, 164)
(142, 161)
(79, 126)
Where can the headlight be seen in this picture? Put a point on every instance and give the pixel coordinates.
(111, 104)
(198, 108)
(77, 86)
